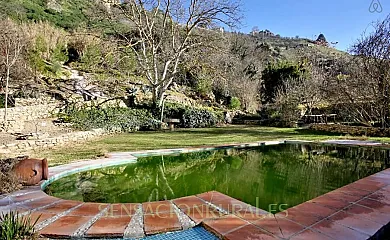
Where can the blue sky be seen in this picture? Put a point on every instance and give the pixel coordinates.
(340, 21)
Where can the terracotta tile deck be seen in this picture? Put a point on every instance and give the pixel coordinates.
(293, 214)
(202, 213)
(188, 202)
(161, 222)
(336, 231)
(157, 207)
(64, 227)
(109, 227)
(88, 209)
(280, 227)
(329, 202)
(40, 217)
(224, 225)
(248, 232)
(122, 210)
(359, 210)
(62, 206)
(310, 235)
(41, 202)
(355, 222)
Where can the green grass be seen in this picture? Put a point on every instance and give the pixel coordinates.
(180, 138)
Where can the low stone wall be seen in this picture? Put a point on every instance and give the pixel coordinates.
(24, 102)
(72, 137)
(27, 113)
(17, 116)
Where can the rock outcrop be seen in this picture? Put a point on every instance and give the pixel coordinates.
(321, 40)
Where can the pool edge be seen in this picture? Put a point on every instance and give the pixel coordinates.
(363, 191)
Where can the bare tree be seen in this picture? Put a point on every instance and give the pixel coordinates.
(163, 30)
(373, 52)
(11, 46)
(305, 91)
(348, 91)
(361, 86)
(239, 62)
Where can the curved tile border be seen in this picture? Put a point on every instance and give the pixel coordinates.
(359, 210)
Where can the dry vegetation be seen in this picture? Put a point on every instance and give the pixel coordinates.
(8, 181)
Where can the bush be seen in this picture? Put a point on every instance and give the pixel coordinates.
(11, 101)
(172, 110)
(112, 119)
(351, 130)
(235, 103)
(16, 227)
(199, 118)
(268, 116)
(204, 86)
(191, 117)
(274, 76)
(8, 180)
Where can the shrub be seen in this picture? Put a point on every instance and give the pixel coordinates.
(351, 130)
(8, 180)
(112, 119)
(172, 110)
(199, 118)
(274, 75)
(11, 101)
(191, 117)
(235, 103)
(204, 86)
(268, 116)
(16, 227)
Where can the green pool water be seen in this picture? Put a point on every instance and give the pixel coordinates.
(270, 177)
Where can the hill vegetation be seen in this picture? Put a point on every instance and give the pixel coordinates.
(80, 50)
(67, 14)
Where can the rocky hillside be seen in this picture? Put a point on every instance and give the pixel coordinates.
(67, 14)
(77, 54)
(72, 14)
(294, 48)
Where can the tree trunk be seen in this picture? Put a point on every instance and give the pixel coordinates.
(386, 105)
(161, 100)
(155, 97)
(6, 95)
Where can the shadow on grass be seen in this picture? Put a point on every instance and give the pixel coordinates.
(318, 133)
(241, 130)
(254, 131)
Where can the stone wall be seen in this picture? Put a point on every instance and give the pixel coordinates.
(27, 113)
(23, 102)
(72, 137)
(17, 116)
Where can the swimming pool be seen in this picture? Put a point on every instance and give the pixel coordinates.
(272, 178)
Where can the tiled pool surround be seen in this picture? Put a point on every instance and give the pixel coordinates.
(360, 210)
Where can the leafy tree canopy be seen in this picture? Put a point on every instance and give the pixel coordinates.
(275, 74)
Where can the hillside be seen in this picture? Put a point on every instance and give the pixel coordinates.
(294, 48)
(67, 14)
(71, 14)
(79, 55)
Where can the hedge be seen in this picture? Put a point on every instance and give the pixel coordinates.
(193, 117)
(351, 130)
(112, 119)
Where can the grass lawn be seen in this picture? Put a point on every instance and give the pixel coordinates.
(177, 139)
